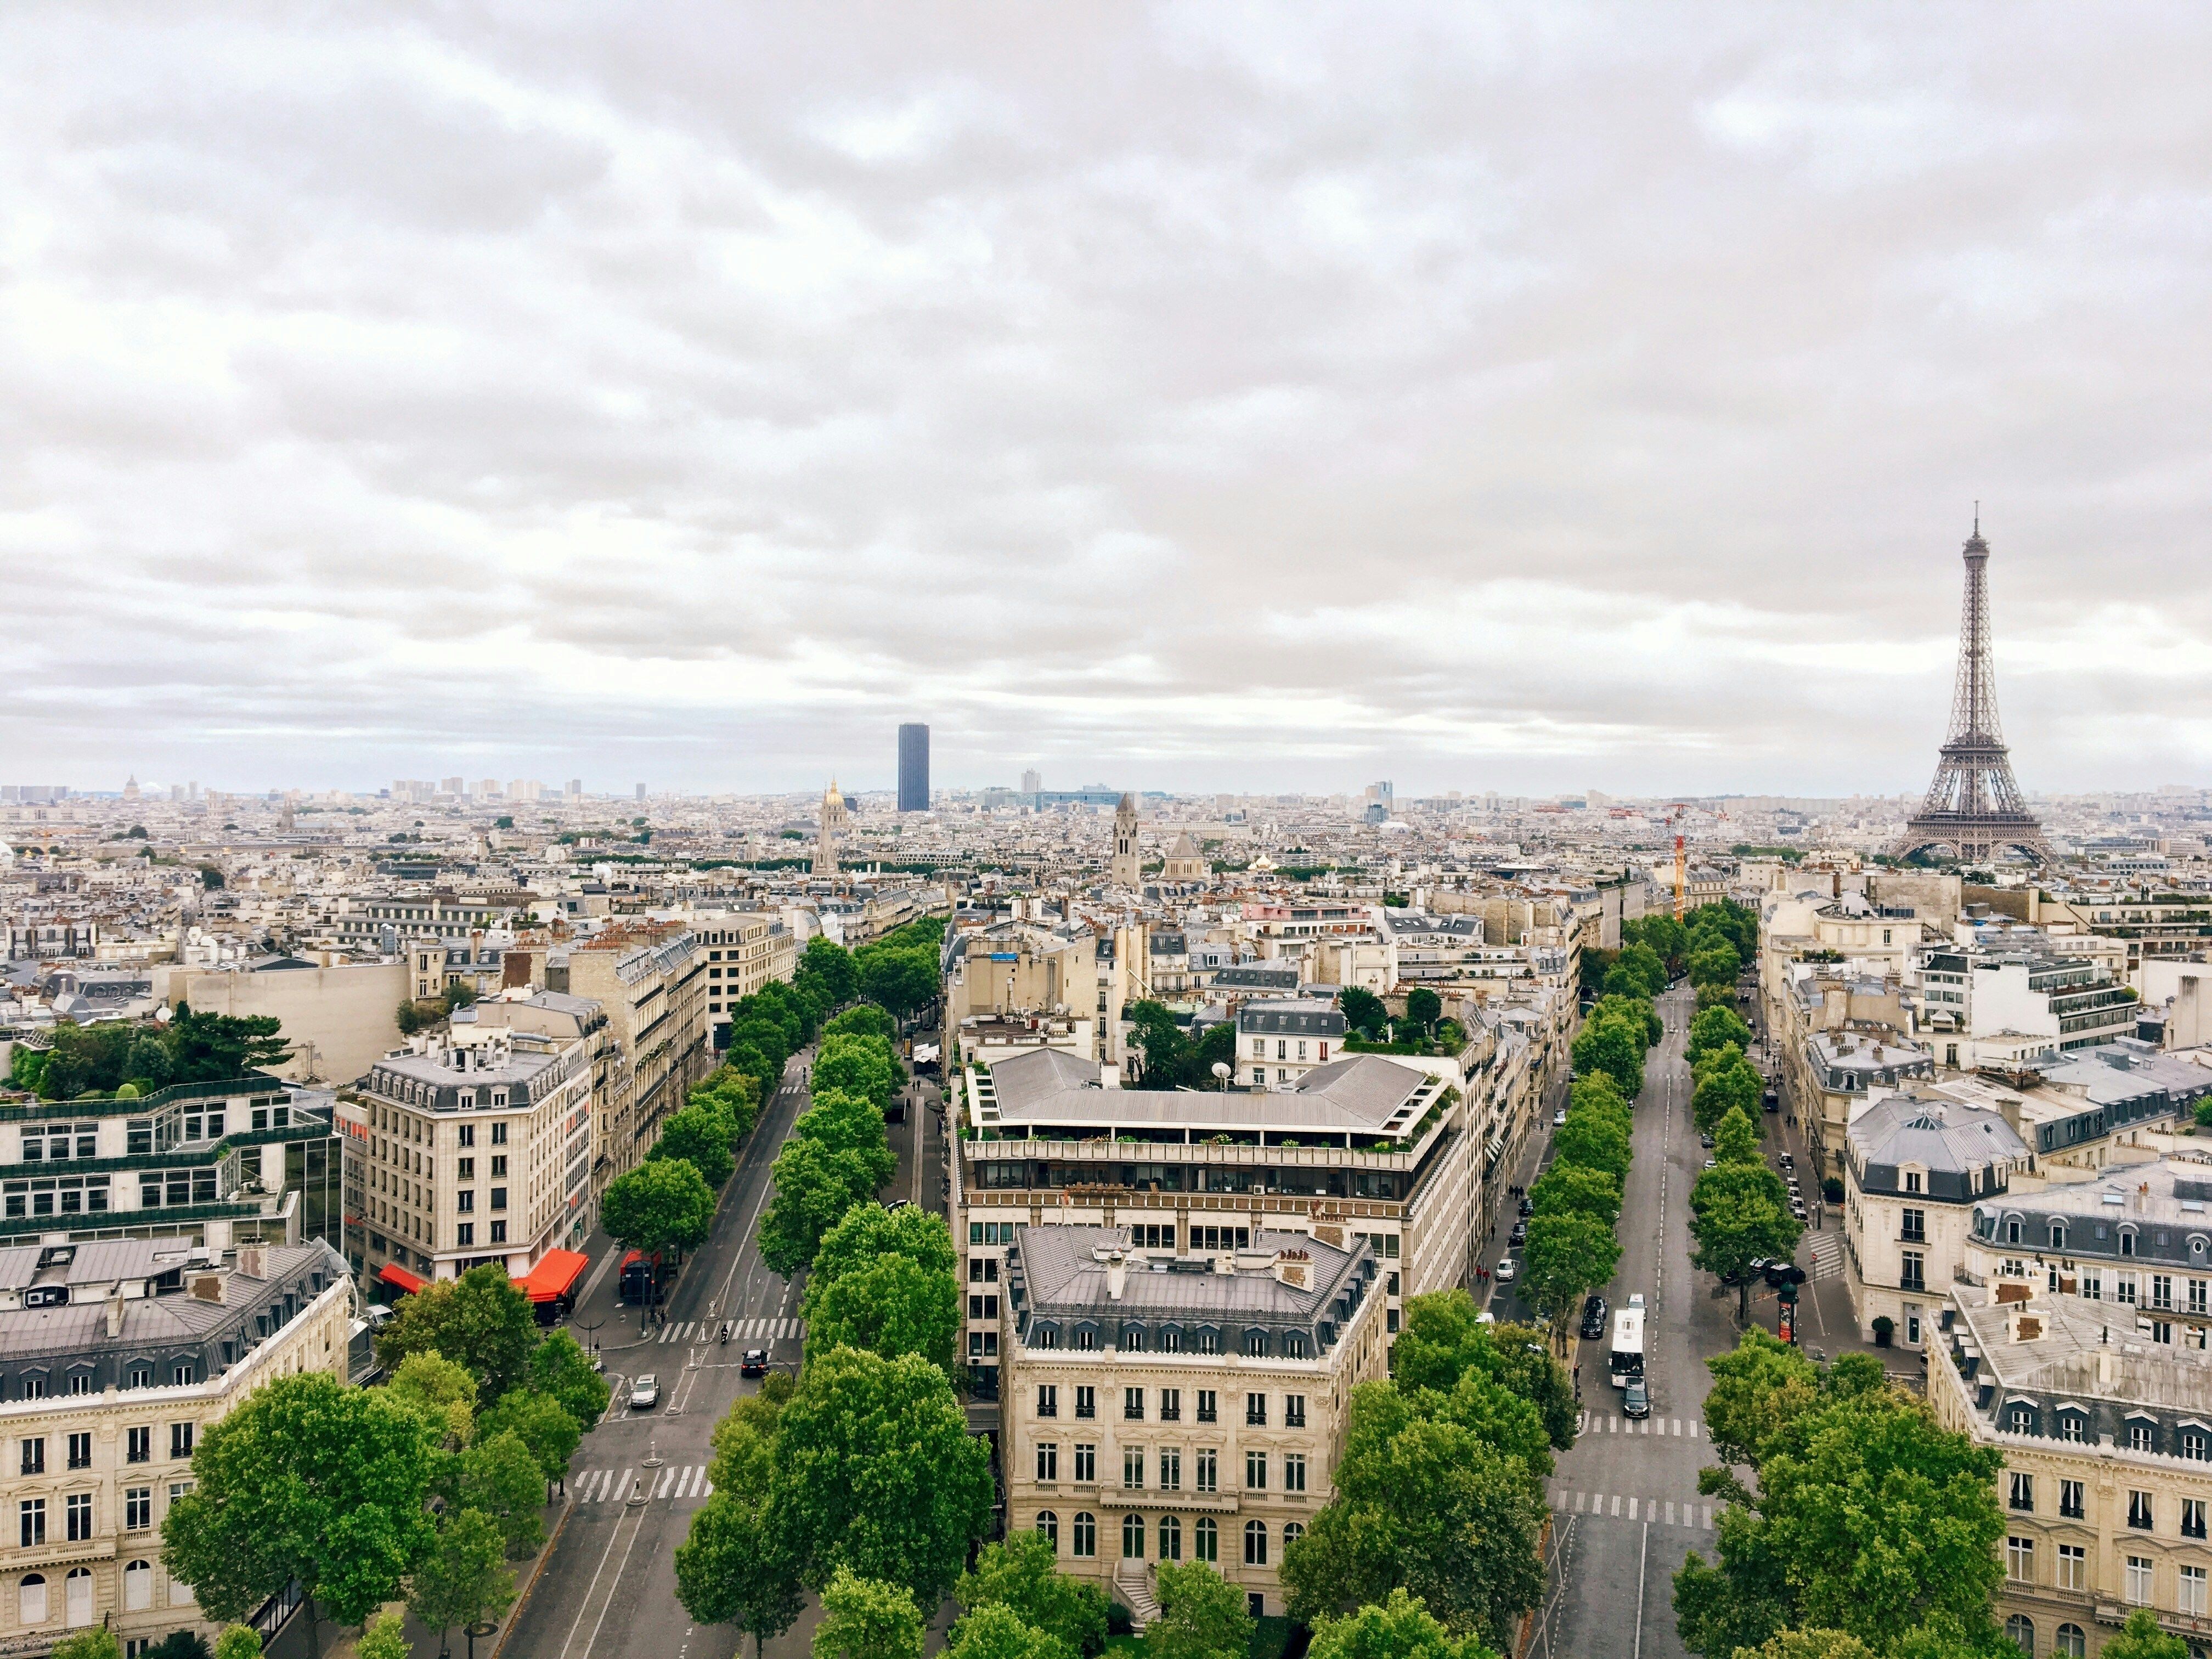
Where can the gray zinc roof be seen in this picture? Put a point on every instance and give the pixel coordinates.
(1067, 1280)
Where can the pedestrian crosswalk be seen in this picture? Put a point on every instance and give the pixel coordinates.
(669, 1481)
(1659, 1512)
(1828, 1252)
(1608, 1423)
(741, 1330)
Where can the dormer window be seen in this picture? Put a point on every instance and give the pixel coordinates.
(1913, 1182)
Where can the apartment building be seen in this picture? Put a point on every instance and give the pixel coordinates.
(1280, 1039)
(558, 1015)
(2133, 1237)
(371, 921)
(2107, 1437)
(220, 1163)
(478, 1150)
(1366, 1148)
(1168, 1404)
(114, 1358)
(650, 979)
(2015, 1003)
(744, 949)
(1916, 1165)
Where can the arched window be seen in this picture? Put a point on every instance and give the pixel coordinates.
(1291, 1532)
(2012, 1236)
(2071, 1643)
(31, 1599)
(1255, 1345)
(1206, 1540)
(2057, 1235)
(138, 1587)
(1132, 1537)
(1170, 1538)
(1083, 1537)
(2020, 1631)
(1255, 1543)
(78, 1597)
(1048, 1524)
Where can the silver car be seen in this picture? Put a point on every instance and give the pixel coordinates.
(645, 1393)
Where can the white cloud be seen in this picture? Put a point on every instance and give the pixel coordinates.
(1193, 396)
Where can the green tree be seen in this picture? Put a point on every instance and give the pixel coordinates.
(1156, 1035)
(1818, 1644)
(1023, 1573)
(874, 1469)
(701, 1139)
(1739, 1214)
(1638, 971)
(464, 1578)
(1399, 1628)
(866, 1231)
(815, 1188)
(1716, 964)
(543, 1424)
(1423, 1007)
(1714, 1027)
(479, 1321)
(99, 1643)
(828, 964)
(503, 1481)
(862, 1019)
(663, 1203)
(1444, 1338)
(1724, 1082)
(1589, 1140)
(1614, 1048)
(1427, 1505)
(731, 1570)
(864, 1619)
(240, 1642)
(1735, 1140)
(383, 1637)
(999, 1632)
(1868, 1518)
(1202, 1615)
(307, 1480)
(560, 1369)
(863, 1066)
(850, 1123)
(1567, 1256)
(893, 1306)
(443, 1390)
(1363, 1011)
(1577, 1189)
(901, 981)
(2139, 1638)
(215, 1047)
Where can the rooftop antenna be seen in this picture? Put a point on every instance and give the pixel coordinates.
(1978, 517)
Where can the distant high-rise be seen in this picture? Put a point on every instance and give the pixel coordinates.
(913, 768)
(1031, 782)
(576, 789)
(640, 791)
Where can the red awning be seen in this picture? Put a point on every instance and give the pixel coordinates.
(395, 1274)
(555, 1276)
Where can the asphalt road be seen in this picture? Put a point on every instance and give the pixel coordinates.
(1624, 1500)
(609, 1591)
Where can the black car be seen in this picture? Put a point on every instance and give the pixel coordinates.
(755, 1363)
(1527, 1207)
(1593, 1312)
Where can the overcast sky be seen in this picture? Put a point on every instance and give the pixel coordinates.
(1204, 397)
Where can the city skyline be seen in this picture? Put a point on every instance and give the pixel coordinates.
(1514, 405)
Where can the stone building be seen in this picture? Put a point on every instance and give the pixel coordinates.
(1168, 1405)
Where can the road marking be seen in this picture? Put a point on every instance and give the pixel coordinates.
(667, 1484)
(1616, 1503)
(636, 1523)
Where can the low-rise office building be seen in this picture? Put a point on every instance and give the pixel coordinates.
(2107, 1435)
(114, 1357)
(1363, 1148)
(1280, 1039)
(1168, 1404)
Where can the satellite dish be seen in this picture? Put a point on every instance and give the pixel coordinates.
(1221, 1068)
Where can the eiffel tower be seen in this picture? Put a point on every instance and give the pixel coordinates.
(1974, 806)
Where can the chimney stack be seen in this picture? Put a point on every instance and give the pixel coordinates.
(1117, 1270)
(115, 1312)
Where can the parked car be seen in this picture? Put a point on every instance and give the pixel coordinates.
(645, 1393)
(1712, 1164)
(755, 1363)
(1505, 1270)
(1527, 1207)
(1560, 1117)
(1705, 1141)
(1636, 1400)
(1519, 1236)
(1788, 1161)
(1593, 1312)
